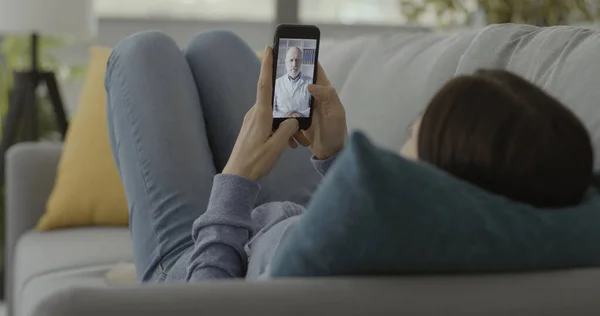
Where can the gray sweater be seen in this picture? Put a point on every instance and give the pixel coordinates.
(231, 240)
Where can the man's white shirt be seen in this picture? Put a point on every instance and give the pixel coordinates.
(291, 95)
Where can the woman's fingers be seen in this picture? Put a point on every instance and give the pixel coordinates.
(322, 79)
(282, 135)
(301, 138)
(308, 134)
(264, 88)
(321, 93)
(292, 143)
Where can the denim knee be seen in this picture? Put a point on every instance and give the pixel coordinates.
(216, 40)
(147, 45)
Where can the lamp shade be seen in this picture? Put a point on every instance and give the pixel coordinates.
(48, 17)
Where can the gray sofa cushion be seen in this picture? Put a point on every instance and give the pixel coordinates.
(41, 254)
(386, 81)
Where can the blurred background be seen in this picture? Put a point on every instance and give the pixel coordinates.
(254, 20)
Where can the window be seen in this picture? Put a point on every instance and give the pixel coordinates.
(379, 12)
(351, 12)
(245, 10)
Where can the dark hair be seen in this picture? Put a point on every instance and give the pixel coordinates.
(504, 134)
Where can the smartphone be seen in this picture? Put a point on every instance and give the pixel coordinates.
(295, 58)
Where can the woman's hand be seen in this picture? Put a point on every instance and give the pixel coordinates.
(256, 149)
(327, 133)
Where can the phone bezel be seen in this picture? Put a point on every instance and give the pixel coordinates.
(301, 32)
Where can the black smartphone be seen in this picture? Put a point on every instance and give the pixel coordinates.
(295, 58)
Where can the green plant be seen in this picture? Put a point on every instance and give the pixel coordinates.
(535, 12)
(15, 56)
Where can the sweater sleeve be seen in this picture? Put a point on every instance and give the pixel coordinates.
(322, 166)
(221, 233)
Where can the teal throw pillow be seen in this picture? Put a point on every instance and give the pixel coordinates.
(377, 213)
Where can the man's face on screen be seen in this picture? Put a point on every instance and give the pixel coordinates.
(293, 61)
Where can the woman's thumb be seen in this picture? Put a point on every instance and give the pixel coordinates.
(321, 93)
(286, 130)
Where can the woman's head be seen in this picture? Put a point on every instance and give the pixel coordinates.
(504, 134)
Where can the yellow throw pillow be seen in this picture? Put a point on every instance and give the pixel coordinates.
(88, 190)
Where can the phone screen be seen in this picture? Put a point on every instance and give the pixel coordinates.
(296, 62)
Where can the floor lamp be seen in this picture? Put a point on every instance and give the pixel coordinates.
(35, 18)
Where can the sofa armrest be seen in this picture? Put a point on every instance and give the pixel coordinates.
(569, 292)
(30, 173)
(293, 297)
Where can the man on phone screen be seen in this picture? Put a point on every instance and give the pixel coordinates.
(291, 93)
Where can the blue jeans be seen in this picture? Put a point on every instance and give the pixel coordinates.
(173, 118)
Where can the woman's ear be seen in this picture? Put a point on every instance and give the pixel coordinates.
(410, 148)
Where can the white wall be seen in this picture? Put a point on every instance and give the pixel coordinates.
(257, 35)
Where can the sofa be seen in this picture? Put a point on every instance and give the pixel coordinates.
(384, 82)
